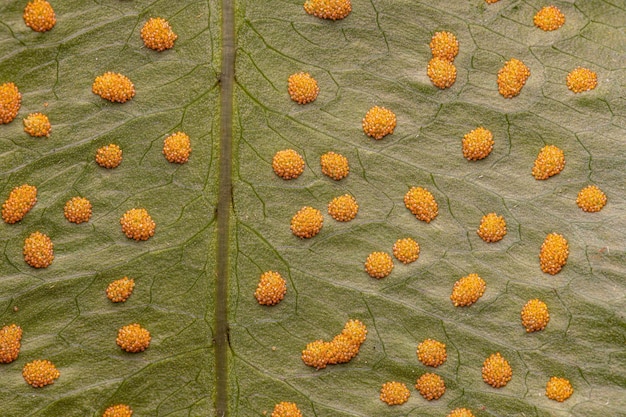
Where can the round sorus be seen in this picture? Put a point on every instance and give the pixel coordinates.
(10, 343)
(38, 250)
(77, 210)
(512, 77)
(307, 222)
(432, 353)
(40, 373)
(550, 161)
(591, 199)
(464, 412)
(177, 148)
(406, 250)
(37, 125)
(379, 122)
(549, 18)
(444, 45)
(496, 371)
(378, 264)
(477, 144)
(133, 338)
(492, 228)
(271, 289)
(535, 315)
(553, 254)
(328, 9)
(356, 331)
(137, 224)
(334, 165)
(118, 410)
(421, 203)
(394, 393)
(286, 409)
(114, 87)
(430, 386)
(559, 389)
(20, 201)
(581, 79)
(109, 156)
(119, 290)
(442, 73)
(288, 164)
(302, 88)
(467, 290)
(39, 16)
(10, 102)
(157, 34)
(343, 208)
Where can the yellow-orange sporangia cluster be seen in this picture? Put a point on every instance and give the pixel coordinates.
(271, 289)
(288, 164)
(10, 102)
(40, 373)
(119, 290)
(581, 79)
(133, 338)
(343, 208)
(406, 250)
(467, 290)
(20, 201)
(549, 18)
(37, 125)
(591, 199)
(464, 412)
(115, 87)
(512, 77)
(477, 144)
(535, 315)
(302, 87)
(394, 393)
(492, 228)
(10, 343)
(286, 409)
(550, 161)
(38, 250)
(553, 254)
(442, 73)
(137, 224)
(334, 165)
(496, 371)
(109, 156)
(39, 16)
(341, 349)
(379, 122)
(77, 210)
(559, 389)
(444, 45)
(432, 353)
(157, 34)
(307, 222)
(118, 410)
(177, 148)
(328, 9)
(421, 203)
(378, 264)
(430, 386)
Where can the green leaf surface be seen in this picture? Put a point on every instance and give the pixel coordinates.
(376, 56)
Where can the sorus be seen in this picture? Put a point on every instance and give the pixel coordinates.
(343, 208)
(77, 210)
(394, 393)
(271, 289)
(177, 148)
(553, 254)
(492, 228)
(496, 371)
(549, 18)
(581, 79)
(442, 73)
(137, 224)
(38, 250)
(406, 250)
(559, 389)
(477, 144)
(307, 222)
(512, 77)
(444, 45)
(378, 264)
(133, 338)
(288, 164)
(20, 201)
(432, 352)
(341, 349)
(334, 165)
(302, 87)
(328, 9)
(119, 290)
(157, 34)
(39, 16)
(379, 122)
(10, 343)
(535, 315)
(109, 156)
(591, 199)
(114, 87)
(37, 125)
(316, 354)
(40, 373)
(286, 409)
(431, 386)
(550, 161)
(118, 410)
(464, 412)
(10, 102)
(421, 203)
(467, 290)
